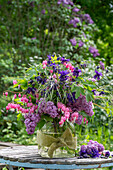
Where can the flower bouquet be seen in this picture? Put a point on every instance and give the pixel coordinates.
(55, 95)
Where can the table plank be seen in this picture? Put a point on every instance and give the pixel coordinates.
(30, 154)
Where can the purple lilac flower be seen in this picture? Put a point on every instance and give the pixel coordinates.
(81, 43)
(65, 2)
(51, 109)
(74, 21)
(88, 18)
(42, 106)
(92, 149)
(71, 3)
(76, 9)
(59, 2)
(76, 72)
(73, 41)
(71, 21)
(79, 120)
(89, 150)
(100, 147)
(48, 108)
(82, 105)
(31, 121)
(83, 148)
(97, 75)
(34, 38)
(0, 6)
(27, 121)
(102, 65)
(43, 11)
(94, 51)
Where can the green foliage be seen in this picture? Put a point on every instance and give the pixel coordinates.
(102, 14)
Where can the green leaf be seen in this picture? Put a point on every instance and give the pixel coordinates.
(41, 124)
(77, 93)
(19, 116)
(79, 90)
(89, 96)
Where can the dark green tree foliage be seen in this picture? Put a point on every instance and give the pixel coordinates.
(101, 12)
(29, 30)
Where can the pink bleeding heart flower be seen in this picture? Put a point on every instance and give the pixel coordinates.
(6, 93)
(51, 71)
(44, 66)
(15, 96)
(19, 95)
(14, 82)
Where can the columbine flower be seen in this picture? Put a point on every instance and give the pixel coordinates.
(98, 74)
(63, 59)
(63, 75)
(76, 71)
(94, 91)
(102, 92)
(73, 41)
(107, 154)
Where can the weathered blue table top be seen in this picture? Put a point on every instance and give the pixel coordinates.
(27, 156)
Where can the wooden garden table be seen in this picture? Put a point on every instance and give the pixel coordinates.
(27, 156)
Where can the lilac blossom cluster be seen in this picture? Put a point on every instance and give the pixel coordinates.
(82, 105)
(74, 21)
(31, 121)
(65, 2)
(47, 108)
(94, 51)
(93, 149)
(74, 42)
(88, 19)
(76, 9)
